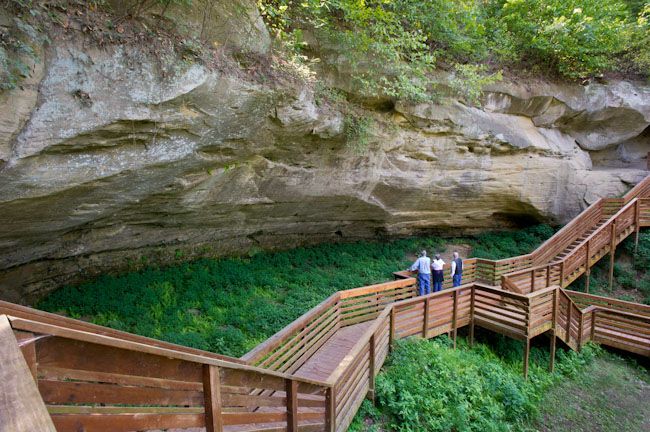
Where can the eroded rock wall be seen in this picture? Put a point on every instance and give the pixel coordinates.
(104, 161)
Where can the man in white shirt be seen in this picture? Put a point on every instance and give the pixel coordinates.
(437, 265)
(423, 267)
(456, 270)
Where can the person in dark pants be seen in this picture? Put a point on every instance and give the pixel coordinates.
(437, 265)
(456, 270)
(423, 267)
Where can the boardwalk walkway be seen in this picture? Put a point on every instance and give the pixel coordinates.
(60, 374)
(324, 362)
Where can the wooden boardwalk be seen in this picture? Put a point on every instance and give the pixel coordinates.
(66, 375)
(324, 362)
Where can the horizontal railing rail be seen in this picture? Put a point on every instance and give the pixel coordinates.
(91, 381)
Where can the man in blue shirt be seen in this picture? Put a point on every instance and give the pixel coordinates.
(456, 270)
(423, 267)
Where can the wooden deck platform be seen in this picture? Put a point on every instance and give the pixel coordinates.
(323, 363)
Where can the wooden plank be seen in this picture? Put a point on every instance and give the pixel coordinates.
(126, 422)
(292, 405)
(373, 372)
(61, 392)
(21, 406)
(330, 413)
(64, 374)
(94, 409)
(27, 344)
(212, 396)
(63, 353)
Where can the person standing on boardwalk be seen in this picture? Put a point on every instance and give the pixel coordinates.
(423, 267)
(437, 265)
(456, 270)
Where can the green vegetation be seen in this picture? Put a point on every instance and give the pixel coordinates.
(609, 395)
(426, 385)
(631, 273)
(358, 131)
(499, 245)
(231, 305)
(391, 47)
(18, 43)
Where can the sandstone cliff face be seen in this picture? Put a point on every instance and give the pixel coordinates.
(104, 161)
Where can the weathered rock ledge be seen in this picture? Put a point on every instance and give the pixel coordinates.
(211, 163)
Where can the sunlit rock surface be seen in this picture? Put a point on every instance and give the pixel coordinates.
(103, 161)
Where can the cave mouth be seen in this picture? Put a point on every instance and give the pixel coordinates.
(518, 220)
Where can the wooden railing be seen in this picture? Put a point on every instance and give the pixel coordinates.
(584, 300)
(290, 348)
(95, 382)
(568, 234)
(100, 382)
(480, 270)
(600, 242)
(622, 330)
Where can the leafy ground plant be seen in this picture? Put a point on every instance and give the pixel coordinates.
(427, 385)
(231, 305)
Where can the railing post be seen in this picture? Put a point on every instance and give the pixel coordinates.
(532, 280)
(637, 221)
(454, 317)
(471, 318)
(561, 274)
(568, 321)
(526, 357)
(291, 389)
(391, 333)
(548, 275)
(371, 385)
(330, 409)
(587, 266)
(593, 324)
(612, 253)
(212, 397)
(556, 299)
(425, 321)
(580, 326)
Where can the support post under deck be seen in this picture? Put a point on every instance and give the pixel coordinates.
(526, 357)
(471, 319)
(612, 254)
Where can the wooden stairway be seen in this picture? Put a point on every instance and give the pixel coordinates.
(60, 374)
(578, 241)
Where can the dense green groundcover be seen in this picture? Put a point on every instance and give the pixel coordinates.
(428, 386)
(231, 305)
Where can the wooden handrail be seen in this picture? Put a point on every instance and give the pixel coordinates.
(606, 225)
(39, 327)
(28, 313)
(276, 340)
(552, 241)
(643, 187)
